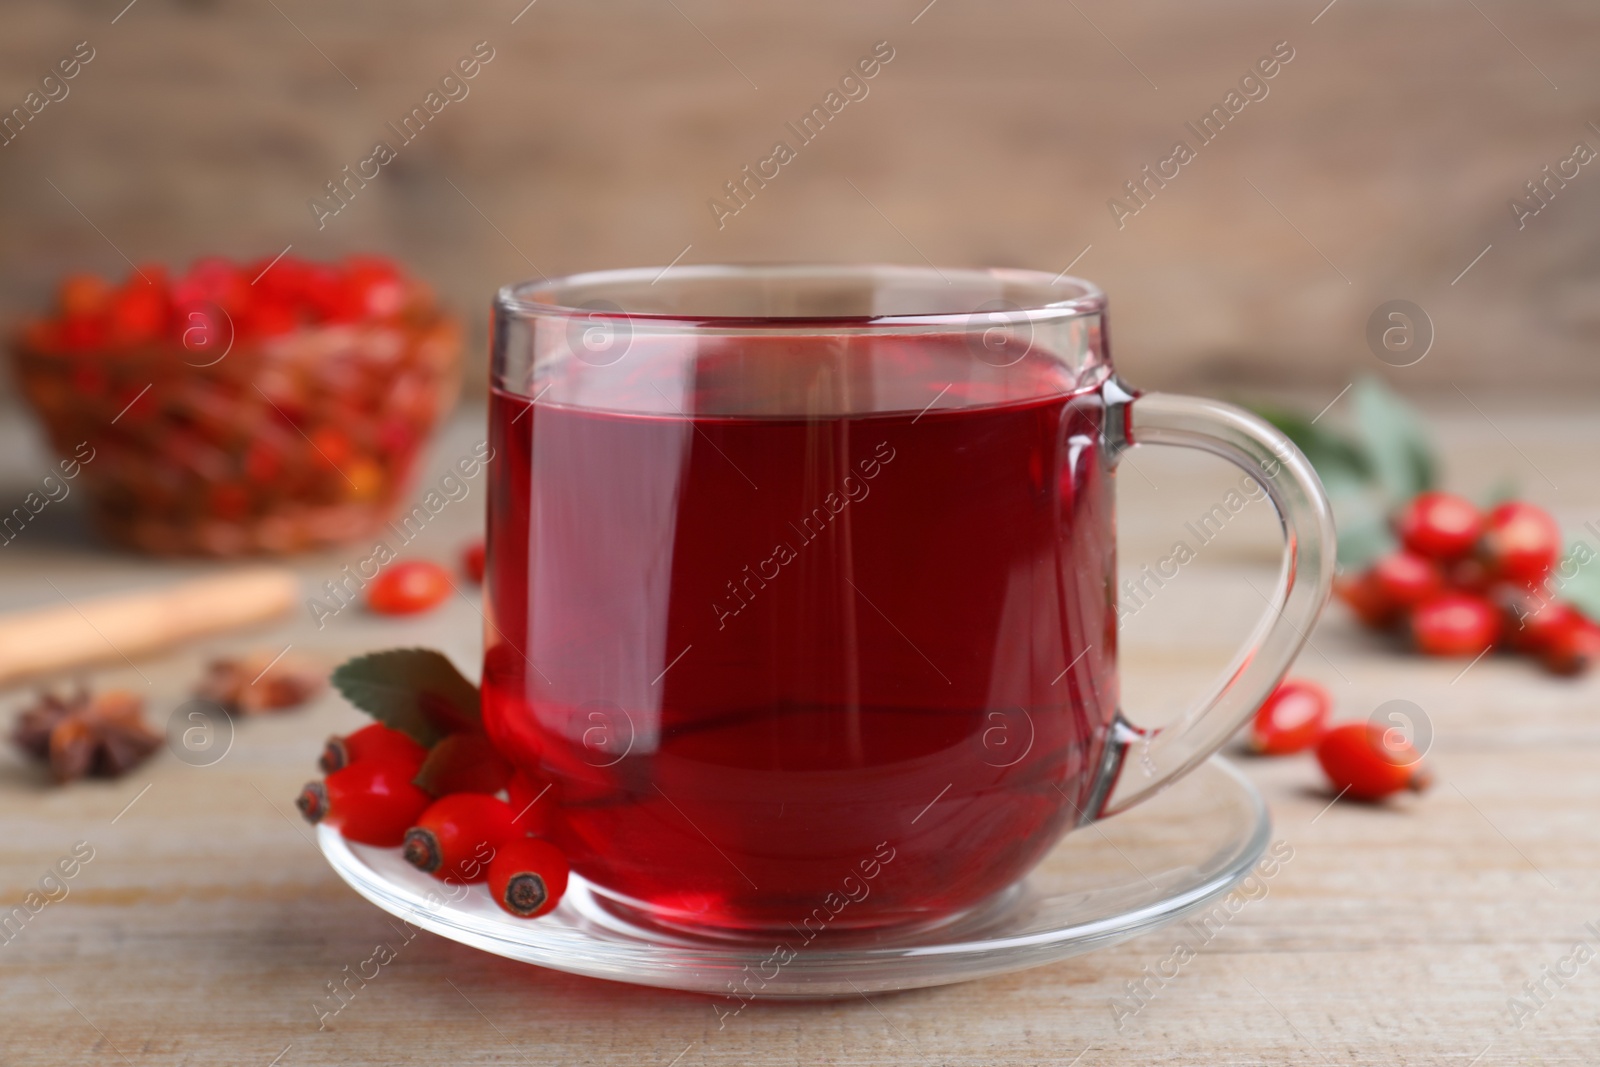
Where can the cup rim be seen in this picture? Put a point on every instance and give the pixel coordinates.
(529, 299)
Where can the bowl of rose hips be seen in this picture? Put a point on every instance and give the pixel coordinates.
(241, 408)
(1465, 580)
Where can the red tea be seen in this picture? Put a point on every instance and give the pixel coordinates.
(838, 671)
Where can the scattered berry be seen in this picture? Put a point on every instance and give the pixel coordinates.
(458, 835)
(370, 742)
(1440, 526)
(1573, 647)
(1405, 579)
(1455, 624)
(372, 802)
(1520, 542)
(533, 801)
(528, 877)
(408, 588)
(1531, 622)
(464, 763)
(1366, 762)
(1363, 595)
(1292, 719)
(472, 561)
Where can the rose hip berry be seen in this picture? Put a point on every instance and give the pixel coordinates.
(457, 836)
(1468, 575)
(1455, 624)
(1366, 762)
(1369, 603)
(370, 742)
(1440, 526)
(1520, 542)
(372, 802)
(464, 763)
(528, 877)
(1406, 579)
(472, 560)
(1573, 647)
(1530, 623)
(408, 588)
(533, 801)
(82, 295)
(1292, 719)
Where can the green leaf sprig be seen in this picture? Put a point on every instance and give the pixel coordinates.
(1369, 471)
(414, 690)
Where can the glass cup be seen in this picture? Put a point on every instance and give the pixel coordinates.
(802, 584)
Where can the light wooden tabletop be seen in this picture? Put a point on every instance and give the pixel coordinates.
(206, 926)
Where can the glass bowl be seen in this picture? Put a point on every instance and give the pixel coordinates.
(279, 444)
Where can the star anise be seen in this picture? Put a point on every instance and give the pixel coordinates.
(105, 736)
(259, 683)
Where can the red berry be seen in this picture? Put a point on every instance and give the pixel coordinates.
(372, 802)
(1369, 602)
(373, 286)
(1366, 762)
(228, 501)
(1455, 624)
(409, 587)
(1529, 619)
(139, 309)
(472, 561)
(83, 334)
(82, 296)
(1520, 542)
(533, 800)
(213, 280)
(203, 329)
(204, 307)
(269, 318)
(528, 877)
(1441, 526)
(332, 445)
(458, 835)
(262, 462)
(396, 436)
(376, 741)
(1292, 719)
(1406, 579)
(464, 763)
(1573, 647)
(1467, 575)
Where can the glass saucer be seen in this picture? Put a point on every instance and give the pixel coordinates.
(1104, 883)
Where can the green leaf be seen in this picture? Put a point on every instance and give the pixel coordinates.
(1338, 461)
(414, 690)
(1359, 504)
(1394, 440)
(1504, 489)
(1582, 589)
(1362, 522)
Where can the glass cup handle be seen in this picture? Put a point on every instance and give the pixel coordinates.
(1151, 760)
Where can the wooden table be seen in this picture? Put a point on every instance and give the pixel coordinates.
(206, 925)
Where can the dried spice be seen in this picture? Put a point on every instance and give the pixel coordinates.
(103, 736)
(260, 683)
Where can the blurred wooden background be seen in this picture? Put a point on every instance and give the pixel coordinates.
(1379, 166)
